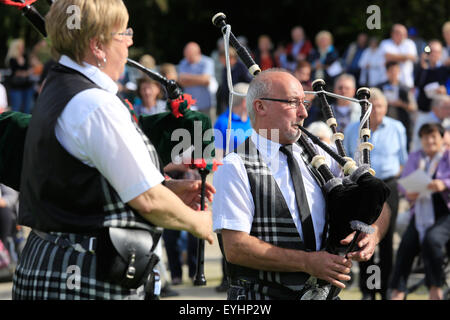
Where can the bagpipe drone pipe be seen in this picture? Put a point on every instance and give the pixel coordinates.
(355, 199)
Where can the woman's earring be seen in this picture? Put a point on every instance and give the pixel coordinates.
(104, 63)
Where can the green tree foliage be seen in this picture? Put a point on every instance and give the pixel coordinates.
(163, 27)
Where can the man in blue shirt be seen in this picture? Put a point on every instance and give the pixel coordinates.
(196, 75)
(241, 127)
(387, 159)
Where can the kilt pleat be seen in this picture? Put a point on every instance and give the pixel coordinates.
(47, 271)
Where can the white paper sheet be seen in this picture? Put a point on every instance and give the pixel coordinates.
(416, 182)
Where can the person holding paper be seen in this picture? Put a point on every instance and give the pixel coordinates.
(429, 228)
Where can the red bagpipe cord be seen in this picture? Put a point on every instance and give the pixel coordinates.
(18, 4)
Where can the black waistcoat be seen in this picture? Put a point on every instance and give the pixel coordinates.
(58, 191)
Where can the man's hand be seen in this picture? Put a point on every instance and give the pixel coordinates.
(189, 191)
(329, 267)
(366, 243)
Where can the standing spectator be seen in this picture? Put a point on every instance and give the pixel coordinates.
(215, 55)
(264, 54)
(440, 113)
(196, 73)
(387, 159)
(446, 50)
(3, 97)
(239, 73)
(429, 227)
(345, 111)
(296, 51)
(149, 91)
(372, 65)
(20, 85)
(401, 104)
(353, 54)
(403, 50)
(419, 42)
(324, 58)
(431, 76)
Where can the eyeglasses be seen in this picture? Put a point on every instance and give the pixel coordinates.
(129, 33)
(293, 103)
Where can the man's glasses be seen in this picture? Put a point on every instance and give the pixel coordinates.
(127, 33)
(293, 103)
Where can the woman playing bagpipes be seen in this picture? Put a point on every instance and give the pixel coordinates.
(91, 187)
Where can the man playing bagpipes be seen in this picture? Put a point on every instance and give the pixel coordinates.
(270, 210)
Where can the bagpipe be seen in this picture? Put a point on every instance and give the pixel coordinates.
(158, 128)
(355, 199)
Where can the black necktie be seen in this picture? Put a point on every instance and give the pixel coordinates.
(300, 196)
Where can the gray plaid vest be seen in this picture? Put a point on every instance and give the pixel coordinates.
(58, 192)
(272, 223)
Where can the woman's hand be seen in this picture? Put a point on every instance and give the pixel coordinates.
(412, 196)
(189, 191)
(436, 185)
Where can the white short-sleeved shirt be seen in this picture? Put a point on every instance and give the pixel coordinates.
(95, 127)
(407, 46)
(233, 206)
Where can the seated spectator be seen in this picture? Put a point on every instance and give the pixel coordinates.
(296, 51)
(440, 113)
(429, 228)
(446, 50)
(324, 58)
(149, 91)
(240, 123)
(321, 130)
(431, 76)
(353, 55)
(372, 65)
(264, 54)
(401, 104)
(345, 111)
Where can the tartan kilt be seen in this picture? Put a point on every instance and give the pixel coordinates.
(45, 272)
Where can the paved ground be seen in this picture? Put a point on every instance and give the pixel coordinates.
(213, 274)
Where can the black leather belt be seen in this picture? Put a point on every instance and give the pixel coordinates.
(82, 243)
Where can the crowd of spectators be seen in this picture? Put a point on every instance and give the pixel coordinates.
(411, 74)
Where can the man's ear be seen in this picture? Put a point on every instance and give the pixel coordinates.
(259, 107)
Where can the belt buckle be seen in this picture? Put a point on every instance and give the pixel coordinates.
(92, 244)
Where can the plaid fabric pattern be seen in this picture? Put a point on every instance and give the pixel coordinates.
(272, 221)
(49, 272)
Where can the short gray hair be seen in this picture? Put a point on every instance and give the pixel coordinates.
(259, 87)
(345, 76)
(241, 88)
(439, 100)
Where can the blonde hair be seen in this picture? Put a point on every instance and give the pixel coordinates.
(148, 61)
(377, 94)
(98, 19)
(13, 51)
(324, 33)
